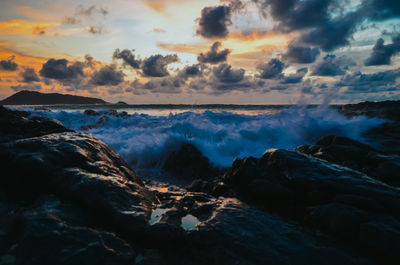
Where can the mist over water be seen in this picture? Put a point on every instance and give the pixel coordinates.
(144, 140)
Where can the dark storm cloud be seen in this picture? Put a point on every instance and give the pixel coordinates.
(301, 54)
(214, 56)
(325, 23)
(226, 74)
(191, 71)
(214, 21)
(271, 70)
(61, 69)
(156, 65)
(107, 76)
(381, 9)
(295, 78)
(382, 54)
(8, 65)
(127, 57)
(329, 66)
(376, 82)
(29, 75)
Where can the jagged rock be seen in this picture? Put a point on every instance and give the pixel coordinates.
(91, 112)
(52, 232)
(80, 168)
(18, 125)
(385, 110)
(353, 154)
(330, 197)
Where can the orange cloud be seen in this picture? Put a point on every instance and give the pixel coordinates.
(26, 28)
(241, 45)
(185, 48)
(160, 5)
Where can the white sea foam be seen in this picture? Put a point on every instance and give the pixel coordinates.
(145, 140)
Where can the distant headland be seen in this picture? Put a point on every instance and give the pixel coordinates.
(36, 98)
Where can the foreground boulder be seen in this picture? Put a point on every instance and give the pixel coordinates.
(361, 157)
(80, 168)
(66, 197)
(356, 209)
(17, 125)
(52, 232)
(228, 231)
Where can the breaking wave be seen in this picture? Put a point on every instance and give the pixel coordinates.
(145, 140)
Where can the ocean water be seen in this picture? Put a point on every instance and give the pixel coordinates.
(147, 133)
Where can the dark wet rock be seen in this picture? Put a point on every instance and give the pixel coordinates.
(239, 234)
(388, 110)
(18, 125)
(80, 168)
(91, 112)
(52, 232)
(329, 197)
(386, 136)
(189, 163)
(353, 154)
(103, 118)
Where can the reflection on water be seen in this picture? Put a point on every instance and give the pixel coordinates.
(189, 222)
(156, 215)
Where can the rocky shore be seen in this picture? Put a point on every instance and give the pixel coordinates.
(68, 198)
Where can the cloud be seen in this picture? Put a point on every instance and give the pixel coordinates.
(329, 66)
(371, 83)
(91, 18)
(164, 85)
(107, 76)
(301, 54)
(156, 65)
(159, 30)
(327, 24)
(214, 56)
(382, 54)
(36, 87)
(29, 75)
(271, 70)
(62, 69)
(381, 9)
(226, 74)
(190, 71)
(127, 57)
(8, 65)
(28, 28)
(214, 22)
(295, 78)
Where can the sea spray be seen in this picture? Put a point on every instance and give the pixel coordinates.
(145, 140)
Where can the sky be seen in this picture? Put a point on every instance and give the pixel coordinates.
(198, 52)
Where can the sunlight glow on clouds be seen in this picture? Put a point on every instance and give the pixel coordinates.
(323, 47)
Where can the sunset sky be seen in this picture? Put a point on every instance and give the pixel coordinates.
(193, 52)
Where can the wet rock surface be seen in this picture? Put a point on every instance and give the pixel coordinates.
(353, 154)
(386, 136)
(67, 198)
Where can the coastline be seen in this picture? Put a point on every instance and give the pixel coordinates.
(337, 195)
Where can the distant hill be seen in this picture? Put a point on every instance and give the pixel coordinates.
(37, 98)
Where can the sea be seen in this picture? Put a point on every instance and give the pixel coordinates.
(144, 135)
